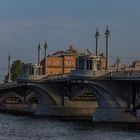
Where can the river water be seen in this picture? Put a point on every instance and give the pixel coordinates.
(14, 127)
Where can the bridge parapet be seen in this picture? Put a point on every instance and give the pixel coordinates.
(31, 77)
(87, 73)
(58, 76)
(103, 73)
(10, 85)
(124, 73)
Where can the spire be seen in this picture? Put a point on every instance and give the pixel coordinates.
(9, 68)
(97, 33)
(97, 41)
(45, 45)
(46, 54)
(107, 32)
(9, 57)
(39, 47)
(39, 53)
(46, 49)
(107, 35)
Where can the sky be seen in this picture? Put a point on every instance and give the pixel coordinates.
(23, 23)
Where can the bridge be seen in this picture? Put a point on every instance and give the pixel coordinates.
(109, 98)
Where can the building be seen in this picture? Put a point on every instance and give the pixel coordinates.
(89, 66)
(136, 65)
(31, 71)
(63, 62)
(60, 62)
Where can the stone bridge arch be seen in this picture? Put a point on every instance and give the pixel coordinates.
(105, 98)
(24, 93)
(10, 94)
(44, 96)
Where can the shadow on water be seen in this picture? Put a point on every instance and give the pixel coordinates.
(86, 124)
(78, 125)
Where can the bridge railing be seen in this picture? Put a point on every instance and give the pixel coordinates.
(104, 73)
(87, 73)
(57, 76)
(124, 73)
(31, 77)
(5, 85)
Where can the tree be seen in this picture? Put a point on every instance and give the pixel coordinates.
(15, 70)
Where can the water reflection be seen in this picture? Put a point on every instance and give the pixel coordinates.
(36, 128)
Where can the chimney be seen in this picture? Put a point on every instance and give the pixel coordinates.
(39, 54)
(107, 35)
(97, 41)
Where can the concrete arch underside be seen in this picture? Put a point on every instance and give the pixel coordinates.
(44, 97)
(105, 99)
(56, 99)
(10, 94)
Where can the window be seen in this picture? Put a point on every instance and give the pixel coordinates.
(81, 64)
(59, 63)
(89, 64)
(69, 63)
(51, 72)
(50, 63)
(31, 70)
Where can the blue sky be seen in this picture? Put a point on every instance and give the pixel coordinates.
(63, 22)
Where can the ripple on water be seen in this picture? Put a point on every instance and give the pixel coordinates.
(33, 128)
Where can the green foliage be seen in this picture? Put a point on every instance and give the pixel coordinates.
(16, 69)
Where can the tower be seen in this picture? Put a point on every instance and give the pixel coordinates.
(39, 54)
(45, 57)
(46, 49)
(107, 35)
(9, 68)
(97, 41)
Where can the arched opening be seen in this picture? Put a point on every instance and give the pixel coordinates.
(33, 100)
(105, 98)
(11, 99)
(42, 96)
(86, 99)
(86, 96)
(94, 96)
(81, 97)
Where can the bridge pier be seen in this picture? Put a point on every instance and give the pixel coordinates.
(114, 115)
